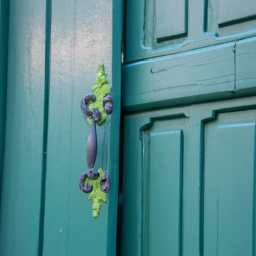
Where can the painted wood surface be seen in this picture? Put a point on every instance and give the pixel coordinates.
(164, 190)
(164, 80)
(229, 184)
(246, 64)
(235, 10)
(84, 35)
(170, 19)
(22, 172)
(207, 23)
(218, 151)
(229, 18)
(211, 73)
(55, 48)
(213, 59)
(4, 27)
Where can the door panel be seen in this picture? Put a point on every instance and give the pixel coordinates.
(22, 172)
(225, 18)
(55, 48)
(194, 52)
(155, 28)
(163, 150)
(170, 19)
(76, 52)
(215, 142)
(229, 187)
(230, 11)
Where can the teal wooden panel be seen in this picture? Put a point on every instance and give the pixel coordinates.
(170, 18)
(175, 78)
(4, 25)
(136, 177)
(137, 161)
(155, 28)
(132, 228)
(134, 30)
(22, 173)
(165, 192)
(85, 34)
(229, 201)
(233, 11)
(231, 19)
(245, 64)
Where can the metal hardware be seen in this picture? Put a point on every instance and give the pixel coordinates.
(95, 115)
(105, 183)
(101, 106)
(108, 104)
(91, 158)
(88, 98)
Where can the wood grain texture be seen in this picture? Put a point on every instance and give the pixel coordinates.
(22, 173)
(161, 80)
(85, 34)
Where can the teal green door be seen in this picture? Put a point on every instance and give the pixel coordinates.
(189, 128)
(54, 49)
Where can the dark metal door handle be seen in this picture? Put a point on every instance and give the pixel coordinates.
(95, 115)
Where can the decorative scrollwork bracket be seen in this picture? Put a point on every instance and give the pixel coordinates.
(96, 105)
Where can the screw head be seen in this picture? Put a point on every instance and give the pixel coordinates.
(96, 115)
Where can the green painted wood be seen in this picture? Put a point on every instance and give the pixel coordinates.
(85, 34)
(165, 190)
(229, 194)
(186, 70)
(175, 78)
(135, 236)
(245, 64)
(4, 27)
(132, 190)
(227, 18)
(193, 122)
(214, 60)
(208, 23)
(22, 173)
(230, 11)
(170, 18)
(134, 20)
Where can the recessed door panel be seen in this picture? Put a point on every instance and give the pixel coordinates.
(236, 10)
(170, 18)
(227, 17)
(165, 191)
(153, 187)
(229, 199)
(188, 180)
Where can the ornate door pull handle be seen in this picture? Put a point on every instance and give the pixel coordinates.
(96, 107)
